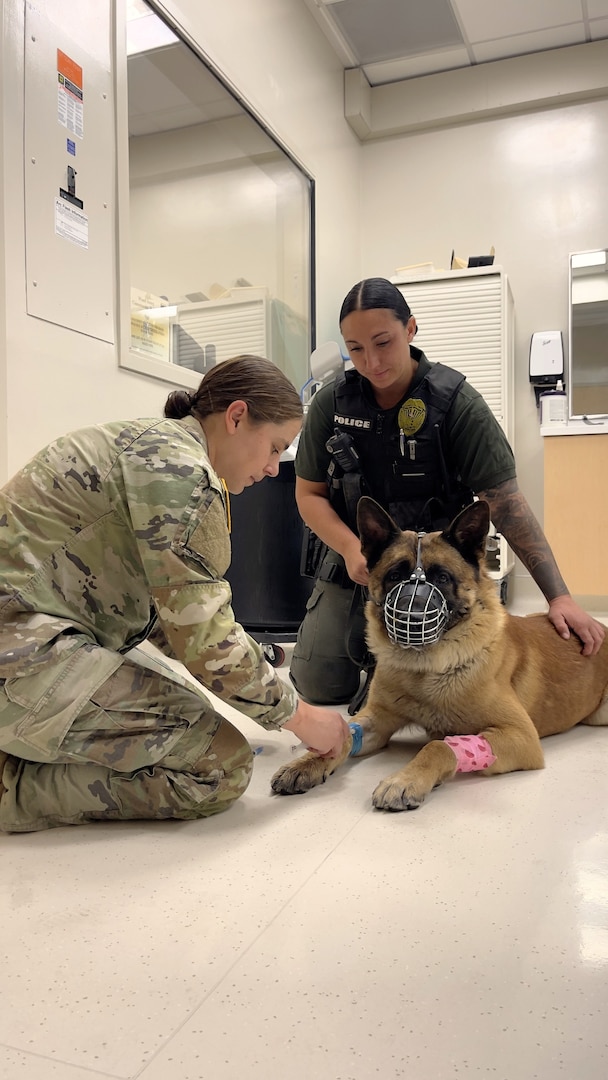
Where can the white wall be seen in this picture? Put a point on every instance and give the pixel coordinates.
(534, 186)
(189, 232)
(274, 52)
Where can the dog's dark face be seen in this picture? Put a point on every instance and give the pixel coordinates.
(453, 560)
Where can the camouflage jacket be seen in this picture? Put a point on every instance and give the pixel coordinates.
(105, 532)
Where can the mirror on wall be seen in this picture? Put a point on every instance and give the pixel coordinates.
(588, 354)
(220, 219)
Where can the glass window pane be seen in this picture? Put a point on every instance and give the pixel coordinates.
(220, 217)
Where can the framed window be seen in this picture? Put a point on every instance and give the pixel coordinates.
(216, 217)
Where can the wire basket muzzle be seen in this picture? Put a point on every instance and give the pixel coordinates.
(415, 613)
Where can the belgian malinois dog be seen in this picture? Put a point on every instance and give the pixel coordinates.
(484, 685)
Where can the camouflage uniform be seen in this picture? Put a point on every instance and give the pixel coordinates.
(109, 536)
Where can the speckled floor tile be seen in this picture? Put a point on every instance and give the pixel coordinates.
(315, 937)
(467, 938)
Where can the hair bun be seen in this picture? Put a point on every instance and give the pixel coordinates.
(178, 405)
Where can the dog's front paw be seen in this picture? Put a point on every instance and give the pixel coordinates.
(394, 794)
(299, 776)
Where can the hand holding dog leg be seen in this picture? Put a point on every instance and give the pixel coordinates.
(314, 768)
(307, 771)
(369, 734)
(331, 741)
(322, 730)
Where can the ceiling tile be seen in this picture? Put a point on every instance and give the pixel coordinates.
(402, 39)
(484, 20)
(520, 44)
(382, 29)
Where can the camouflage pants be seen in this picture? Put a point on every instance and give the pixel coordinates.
(146, 745)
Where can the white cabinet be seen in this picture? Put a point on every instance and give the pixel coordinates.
(207, 332)
(466, 320)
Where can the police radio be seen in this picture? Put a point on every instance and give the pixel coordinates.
(342, 448)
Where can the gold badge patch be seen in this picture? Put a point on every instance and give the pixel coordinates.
(412, 415)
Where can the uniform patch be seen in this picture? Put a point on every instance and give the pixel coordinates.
(353, 421)
(412, 415)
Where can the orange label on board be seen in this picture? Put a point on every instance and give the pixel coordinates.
(71, 71)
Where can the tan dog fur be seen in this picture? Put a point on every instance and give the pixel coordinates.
(510, 679)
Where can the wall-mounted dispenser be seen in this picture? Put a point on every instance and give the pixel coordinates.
(554, 406)
(546, 361)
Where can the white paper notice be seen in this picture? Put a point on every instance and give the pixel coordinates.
(70, 94)
(71, 223)
(70, 112)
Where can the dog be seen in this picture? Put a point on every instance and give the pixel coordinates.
(485, 686)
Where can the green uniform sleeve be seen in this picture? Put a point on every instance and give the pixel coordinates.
(477, 449)
(312, 457)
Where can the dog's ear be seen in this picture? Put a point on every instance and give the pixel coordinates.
(468, 531)
(376, 529)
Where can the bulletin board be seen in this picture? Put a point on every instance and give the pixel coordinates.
(69, 181)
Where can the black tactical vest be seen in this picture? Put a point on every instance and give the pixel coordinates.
(403, 464)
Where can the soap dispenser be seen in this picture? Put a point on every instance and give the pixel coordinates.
(553, 406)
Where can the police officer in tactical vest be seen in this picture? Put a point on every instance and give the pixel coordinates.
(421, 441)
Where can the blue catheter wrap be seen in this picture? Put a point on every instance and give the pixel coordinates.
(357, 733)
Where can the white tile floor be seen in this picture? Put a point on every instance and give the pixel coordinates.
(313, 937)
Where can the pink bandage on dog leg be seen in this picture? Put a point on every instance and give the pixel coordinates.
(472, 752)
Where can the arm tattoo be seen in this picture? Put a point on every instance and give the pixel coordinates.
(513, 518)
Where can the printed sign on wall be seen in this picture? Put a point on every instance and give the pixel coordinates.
(69, 178)
(70, 94)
